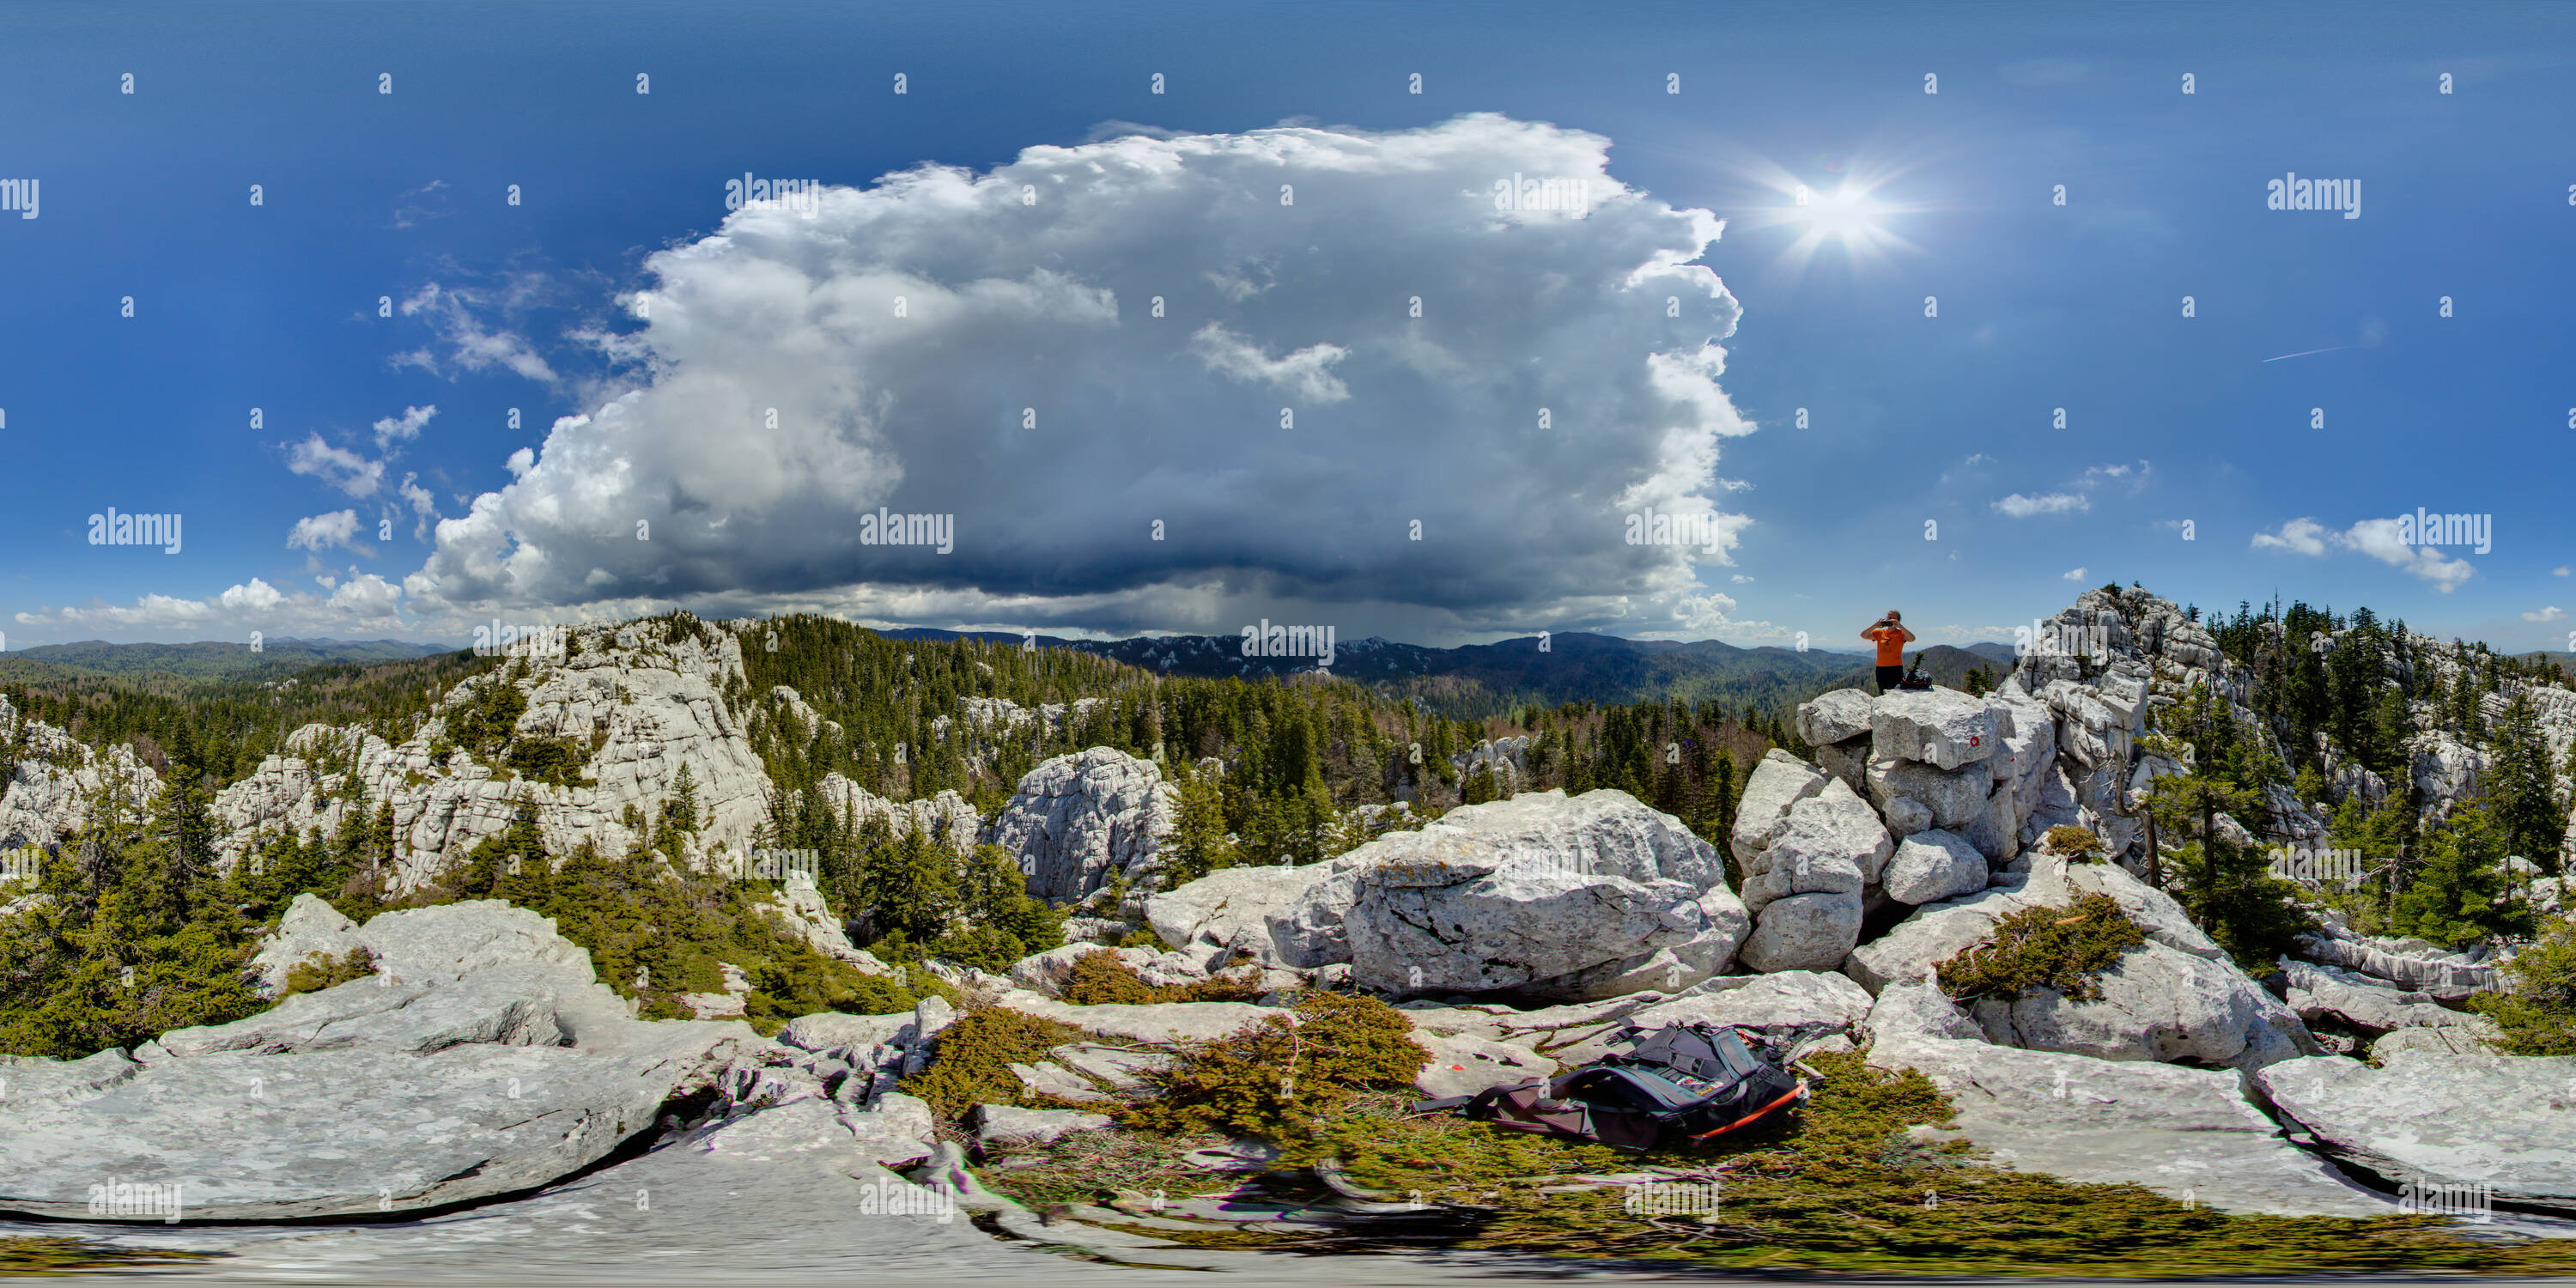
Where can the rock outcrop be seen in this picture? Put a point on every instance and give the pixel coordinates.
(1543, 895)
(49, 795)
(631, 703)
(480, 1060)
(1082, 820)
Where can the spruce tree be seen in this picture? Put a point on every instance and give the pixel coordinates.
(2460, 892)
(2524, 789)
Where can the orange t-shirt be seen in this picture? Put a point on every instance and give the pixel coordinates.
(1891, 645)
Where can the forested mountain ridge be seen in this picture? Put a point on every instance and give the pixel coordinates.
(683, 746)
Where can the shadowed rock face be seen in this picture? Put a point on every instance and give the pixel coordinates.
(482, 1059)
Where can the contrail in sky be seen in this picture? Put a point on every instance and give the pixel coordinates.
(2302, 355)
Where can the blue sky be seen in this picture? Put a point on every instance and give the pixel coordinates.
(1911, 419)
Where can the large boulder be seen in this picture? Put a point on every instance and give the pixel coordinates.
(2186, 1133)
(2372, 1006)
(2413, 965)
(1544, 895)
(1932, 866)
(2156, 1004)
(1080, 820)
(2168, 1000)
(2439, 1119)
(482, 1059)
(1779, 780)
(1829, 843)
(1230, 911)
(1956, 797)
(1943, 728)
(1839, 716)
(1804, 932)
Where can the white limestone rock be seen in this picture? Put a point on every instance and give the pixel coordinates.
(1933, 866)
(1943, 728)
(1079, 821)
(1581, 897)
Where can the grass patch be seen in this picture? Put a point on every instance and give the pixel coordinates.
(971, 1059)
(38, 1256)
(1098, 978)
(2036, 948)
(2073, 842)
(1280, 1077)
(319, 971)
(1844, 1190)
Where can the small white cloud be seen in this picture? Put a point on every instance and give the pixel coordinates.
(2549, 614)
(470, 344)
(2302, 536)
(2558, 572)
(1305, 373)
(403, 428)
(323, 531)
(2076, 575)
(339, 467)
(1740, 579)
(2377, 538)
(2023, 507)
(256, 596)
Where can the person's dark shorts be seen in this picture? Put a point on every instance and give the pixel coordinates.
(1889, 676)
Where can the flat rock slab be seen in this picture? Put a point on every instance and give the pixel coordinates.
(675, 1215)
(346, 1131)
(1462, 1064)
(1160, 1022)
(2501, 1120)
(2184, 1133)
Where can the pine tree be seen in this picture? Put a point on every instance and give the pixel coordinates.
(2460, 892)
(2524, 790)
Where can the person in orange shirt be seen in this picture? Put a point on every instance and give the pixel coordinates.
(1890, 635)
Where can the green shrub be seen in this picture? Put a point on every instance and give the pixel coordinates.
(2036, 948)
(2537, 1007)
(971, 1059)
(1280, 1076)
(2073, 842)
(1098, 978)
(319, 971)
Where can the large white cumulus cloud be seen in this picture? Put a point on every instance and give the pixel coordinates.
(1032, 288)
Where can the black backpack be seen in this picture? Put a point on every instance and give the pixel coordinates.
(1679, 1083)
